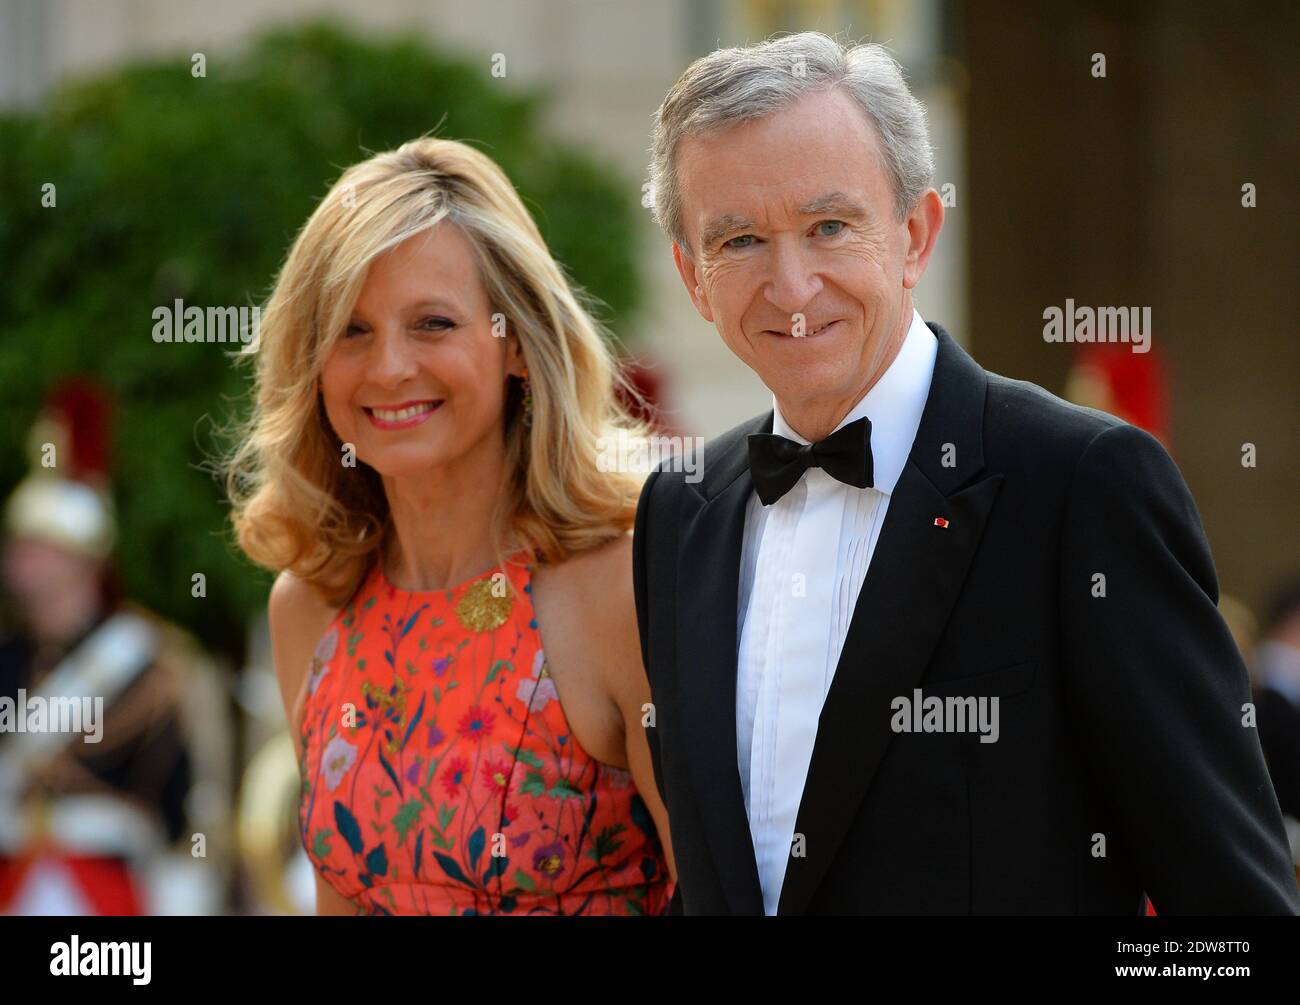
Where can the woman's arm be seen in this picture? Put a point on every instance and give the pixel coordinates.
(587, 610)
(298, 618)
(329, 901)
(629, 686)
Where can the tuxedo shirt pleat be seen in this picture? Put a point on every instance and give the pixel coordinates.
(803, 563)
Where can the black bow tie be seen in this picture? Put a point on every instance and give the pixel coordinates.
(777, 463)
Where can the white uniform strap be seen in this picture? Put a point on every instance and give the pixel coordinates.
(110, 658)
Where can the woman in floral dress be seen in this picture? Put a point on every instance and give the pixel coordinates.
(453, 622)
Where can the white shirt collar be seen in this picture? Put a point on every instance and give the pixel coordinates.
(894, 405)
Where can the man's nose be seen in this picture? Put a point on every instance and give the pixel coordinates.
(793, 280)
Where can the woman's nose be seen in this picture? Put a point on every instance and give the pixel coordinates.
(392, 361)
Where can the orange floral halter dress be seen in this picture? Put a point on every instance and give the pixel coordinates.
(439, 773)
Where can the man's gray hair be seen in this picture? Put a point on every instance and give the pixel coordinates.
(731, 86)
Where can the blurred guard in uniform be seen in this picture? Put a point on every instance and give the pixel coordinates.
(82, 824)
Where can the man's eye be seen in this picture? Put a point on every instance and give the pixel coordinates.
(837, 224)
(746, 240)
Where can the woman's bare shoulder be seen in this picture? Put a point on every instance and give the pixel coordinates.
(584, 632)
(594, 595)
(298, 617)
(614, 557)
(597, 581)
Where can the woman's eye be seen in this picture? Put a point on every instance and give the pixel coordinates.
(746, 240)
(352, 330)
(837, 224)
(437, 324)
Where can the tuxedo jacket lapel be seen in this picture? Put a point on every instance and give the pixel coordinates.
(709, 581)
(913, 581)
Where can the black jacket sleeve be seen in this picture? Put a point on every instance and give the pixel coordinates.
(1157, 689)
(640, 538)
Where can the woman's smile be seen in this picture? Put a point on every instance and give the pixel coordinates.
(403, 416)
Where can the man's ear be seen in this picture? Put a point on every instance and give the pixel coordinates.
(690, 276)
(923, 226)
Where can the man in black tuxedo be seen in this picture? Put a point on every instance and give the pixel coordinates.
(923, 639)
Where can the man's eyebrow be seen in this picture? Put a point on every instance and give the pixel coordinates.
(835, 203)
(721, 226)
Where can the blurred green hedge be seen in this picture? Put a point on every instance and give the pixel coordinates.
(171, 186)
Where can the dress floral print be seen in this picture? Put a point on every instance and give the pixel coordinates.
(440, 775)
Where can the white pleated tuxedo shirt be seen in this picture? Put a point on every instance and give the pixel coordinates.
(803, 562)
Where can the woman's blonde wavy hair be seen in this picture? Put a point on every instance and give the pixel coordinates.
(296, 506)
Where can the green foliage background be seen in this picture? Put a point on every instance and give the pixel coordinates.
(174, 186)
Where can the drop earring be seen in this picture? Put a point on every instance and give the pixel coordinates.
(527, 390)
